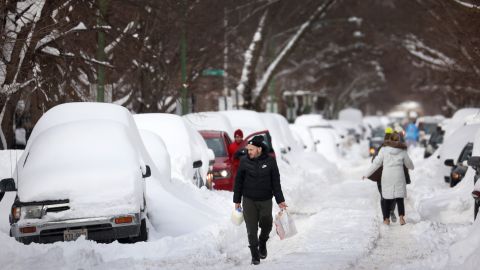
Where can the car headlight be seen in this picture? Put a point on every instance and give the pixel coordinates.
(456, 176)
(221, 174)
(32, 211)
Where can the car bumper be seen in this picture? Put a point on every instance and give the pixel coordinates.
(223, 184)
(101, 229)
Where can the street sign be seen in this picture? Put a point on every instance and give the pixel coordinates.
(213, 72)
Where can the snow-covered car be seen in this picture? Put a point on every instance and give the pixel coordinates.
(189, 154)
(376, 140)
(303, 136)
(427, 125)
(282, 138)
(453, 146)
(459, 167)
(222, 172)
(434, 142)
(459, 119)
(82, 173)
(474, 162)
(327, 140)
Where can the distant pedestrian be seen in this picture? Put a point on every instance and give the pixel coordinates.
(393, 157)
(412, 134)
(257, 181)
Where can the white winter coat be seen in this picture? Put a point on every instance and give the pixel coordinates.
(393, 175)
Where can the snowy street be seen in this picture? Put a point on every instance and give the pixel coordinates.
(338, 221)
(253, 134)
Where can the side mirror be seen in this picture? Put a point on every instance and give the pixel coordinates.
(474, 162)
(197, 164)
(7, 185)
(449, 162)
(147, 173)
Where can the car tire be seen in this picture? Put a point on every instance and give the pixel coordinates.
(143, 236)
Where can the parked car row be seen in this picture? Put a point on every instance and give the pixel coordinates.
(85, 167)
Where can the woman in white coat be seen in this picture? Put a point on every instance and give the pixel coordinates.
(394, 185)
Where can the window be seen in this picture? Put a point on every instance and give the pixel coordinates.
(217, 146)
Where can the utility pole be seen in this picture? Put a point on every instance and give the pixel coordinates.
(183, 59)
(102, 6)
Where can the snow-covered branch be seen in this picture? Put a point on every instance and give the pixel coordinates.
(112, 45)
(289, 47)
(468, 5)
(253, 49)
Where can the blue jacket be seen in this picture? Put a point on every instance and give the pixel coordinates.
(412, 132)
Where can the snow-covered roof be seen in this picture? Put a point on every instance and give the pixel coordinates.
(210, 121)
(351, 114)
(248, 121)
(310, 120)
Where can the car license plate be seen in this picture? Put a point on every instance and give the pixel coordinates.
(72, 235)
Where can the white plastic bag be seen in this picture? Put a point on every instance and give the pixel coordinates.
(285, 226)
(237, 216)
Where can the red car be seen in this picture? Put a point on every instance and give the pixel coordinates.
(222, 170)
(222, 174)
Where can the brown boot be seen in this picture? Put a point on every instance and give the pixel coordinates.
(402, 221)
(386, 221)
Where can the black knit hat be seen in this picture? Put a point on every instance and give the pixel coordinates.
(257, 141)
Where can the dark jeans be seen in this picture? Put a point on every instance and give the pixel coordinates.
(388, 205)
(391, 208)
(257, 213)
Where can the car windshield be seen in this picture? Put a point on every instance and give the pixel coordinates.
(378, 132)
(429, 128)
(466, 153)
(217, 146)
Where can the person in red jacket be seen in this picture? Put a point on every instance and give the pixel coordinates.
(233, 148)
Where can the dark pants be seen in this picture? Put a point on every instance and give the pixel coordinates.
(389, 204)
(391, 208)
(257, 213)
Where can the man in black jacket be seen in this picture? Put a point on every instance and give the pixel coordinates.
(257, 181)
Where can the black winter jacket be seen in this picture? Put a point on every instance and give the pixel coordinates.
(258, 179)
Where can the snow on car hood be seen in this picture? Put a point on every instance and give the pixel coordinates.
(87, 162)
